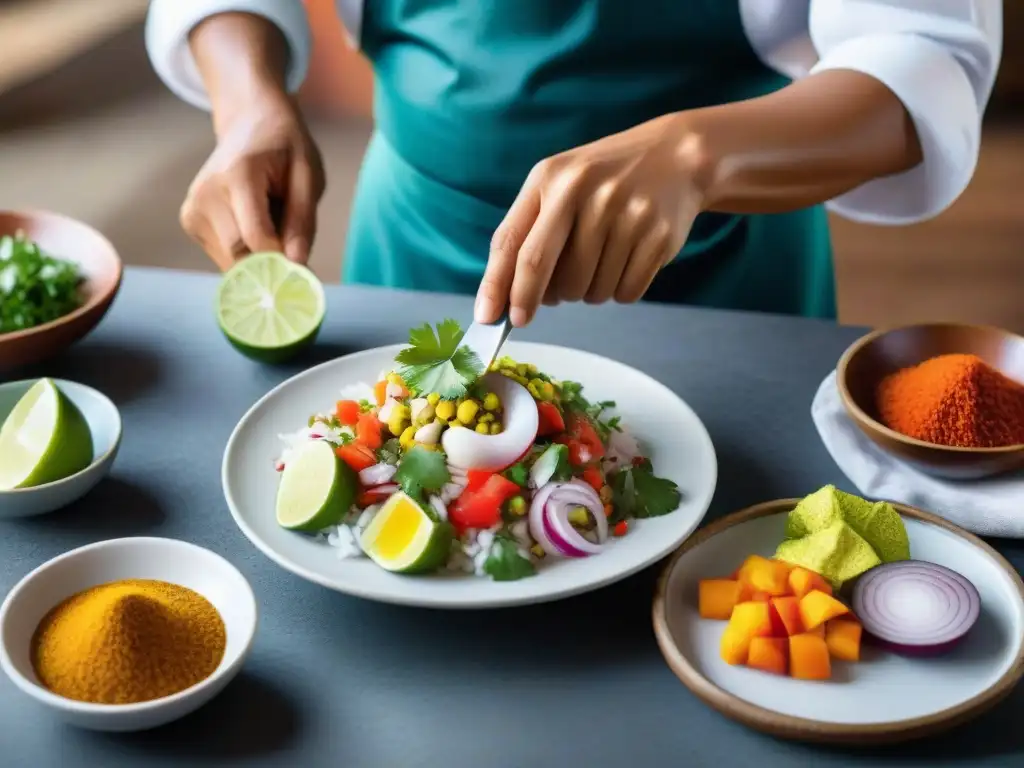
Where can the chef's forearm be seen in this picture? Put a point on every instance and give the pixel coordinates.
(804, 144)
(239, 56)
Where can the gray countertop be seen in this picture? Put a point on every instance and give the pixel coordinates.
(336, 681)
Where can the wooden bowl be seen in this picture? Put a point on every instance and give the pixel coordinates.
(869, 359)
(98, 262)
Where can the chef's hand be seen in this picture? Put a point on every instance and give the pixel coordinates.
(595, 223)
(264, 158)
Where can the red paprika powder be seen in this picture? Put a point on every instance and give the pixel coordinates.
(955, 400)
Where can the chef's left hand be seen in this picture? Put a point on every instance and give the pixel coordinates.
(595, 223)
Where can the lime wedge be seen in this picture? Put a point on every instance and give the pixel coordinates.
(44, 439)
(270, 308)
(403, 538)
(317, 488)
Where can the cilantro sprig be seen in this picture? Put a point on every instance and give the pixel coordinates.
(422, 471)
(34, 288)
(637, 492)
(504, 561)
(435, 361)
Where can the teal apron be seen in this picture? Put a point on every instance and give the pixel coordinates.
(470, 94)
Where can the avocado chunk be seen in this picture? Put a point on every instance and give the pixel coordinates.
(837, 552)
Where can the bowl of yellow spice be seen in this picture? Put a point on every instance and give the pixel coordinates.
(127, 634)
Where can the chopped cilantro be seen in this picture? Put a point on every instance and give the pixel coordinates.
(34, 288)
(518, 474)
(437, 363)
(422, 471)
(638, 492)
(365, 406)
(390, 451)
(573, 400)
(504, 561)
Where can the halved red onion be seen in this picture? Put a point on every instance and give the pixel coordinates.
(378, 474)
(549, 519)
(915, 607)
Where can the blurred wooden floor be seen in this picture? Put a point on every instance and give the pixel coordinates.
(101, 139)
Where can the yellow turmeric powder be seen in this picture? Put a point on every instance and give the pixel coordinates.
(128, 641)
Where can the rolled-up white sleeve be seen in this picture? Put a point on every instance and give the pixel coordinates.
(169, 23)
(940, 58)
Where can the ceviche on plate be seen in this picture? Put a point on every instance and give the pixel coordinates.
(441, 465)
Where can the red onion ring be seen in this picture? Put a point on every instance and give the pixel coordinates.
(549, 519)
(378, 474)
(915, 607)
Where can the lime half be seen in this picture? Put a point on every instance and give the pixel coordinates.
(403, 538)
(44, 439)
(317, 488)
(270, 308)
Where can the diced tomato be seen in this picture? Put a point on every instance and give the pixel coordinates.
(594, 478)
(368, 431)
(481, 508)
(380, 390)
(621, 528)
(550, 421)
(475, 478)
(356, 455)
(637, 461)
(370, 496)
(585, 446)
(347, 412)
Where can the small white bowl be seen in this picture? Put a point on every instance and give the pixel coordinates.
(169, 560)
(104, 422)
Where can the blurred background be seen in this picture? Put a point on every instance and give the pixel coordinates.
(87, 129)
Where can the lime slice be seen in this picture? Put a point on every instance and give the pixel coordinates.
(270, 308)
(317, 488)
(403, 538)
(44, 439)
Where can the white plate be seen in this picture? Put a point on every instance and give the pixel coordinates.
(884, 697)
(668, 430)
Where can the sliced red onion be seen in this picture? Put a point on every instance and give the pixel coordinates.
(393, 390)
(438, 506)
(549, 519)
(383, 490)
(428, 434)
(378, 474)
(915, 607)
(451, 491)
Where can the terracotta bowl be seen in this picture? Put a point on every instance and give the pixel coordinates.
(98, 262)
(869, 359)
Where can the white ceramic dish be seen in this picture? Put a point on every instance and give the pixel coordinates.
(134, 558)
(669, 431)
(884, 697)
(105, 424)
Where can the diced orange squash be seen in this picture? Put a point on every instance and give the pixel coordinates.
(769, 654)
(787, 609)
(748, 620)
(818, 631)
(380, 391)
(764, 575)
(842, 636)
(802, 581)
(717, 597)
(816, 608)
(809, 658)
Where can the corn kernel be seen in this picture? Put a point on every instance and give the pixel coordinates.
(467, 411)
(397, 425)
(482, 429)
(537, 551)
(579, 516)
(426, 415)
(394, 378)
(495, 428)
(433, 398)
(455, 423)
(491, 402)
(522, 370)
(445, 410)
(407, 438)
(531, 369)
(486, 418)
(517, 506)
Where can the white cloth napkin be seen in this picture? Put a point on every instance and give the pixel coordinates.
(988, 507)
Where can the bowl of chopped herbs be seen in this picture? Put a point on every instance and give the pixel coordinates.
(58, 278)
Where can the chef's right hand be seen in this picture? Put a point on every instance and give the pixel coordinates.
(265, 158)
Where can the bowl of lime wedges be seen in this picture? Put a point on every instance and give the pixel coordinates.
(58, 439)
